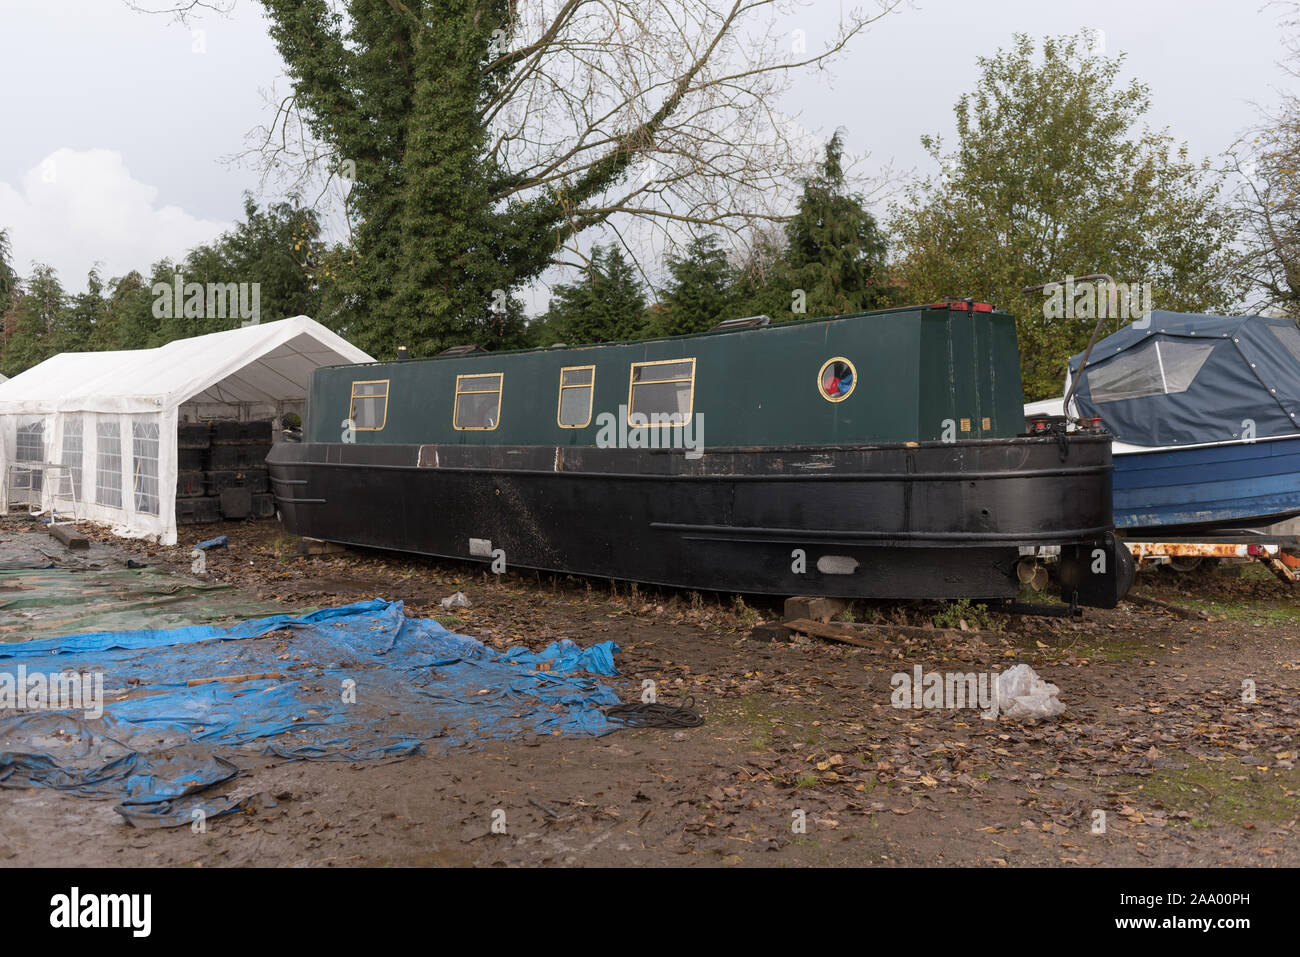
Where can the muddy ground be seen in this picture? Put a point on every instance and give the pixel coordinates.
(1157, 736)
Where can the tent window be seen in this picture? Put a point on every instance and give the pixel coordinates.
(478, 402)
(1289, 336)
(31, 442)
(369, 405)
(662, 392)
(108, 464)
(1160, 368)
(72, 448)
(577, 383)
(31, 448)
(144, 449)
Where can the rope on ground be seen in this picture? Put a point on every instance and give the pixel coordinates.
(656, 715)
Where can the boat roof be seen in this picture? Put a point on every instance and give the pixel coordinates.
(1177, 379)
(953, 305)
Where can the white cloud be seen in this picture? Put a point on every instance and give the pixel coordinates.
(79, 207)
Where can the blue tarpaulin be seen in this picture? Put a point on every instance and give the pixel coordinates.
(358, 682)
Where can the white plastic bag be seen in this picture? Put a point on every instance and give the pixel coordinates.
(457, 600)
(1022, 695)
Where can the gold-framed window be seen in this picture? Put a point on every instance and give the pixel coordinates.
(369, 407)
(663, 391)
(577, 391)
(478, 402)
(836, 379)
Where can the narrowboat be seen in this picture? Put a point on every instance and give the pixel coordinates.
(1203, 410)
(877, 455)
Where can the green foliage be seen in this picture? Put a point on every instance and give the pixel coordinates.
(1269, 199)
(977, 617)
(1050, 178)
(8, 277)
(832, 260)
(277, 248)
(700, 293)
(836, 251)
(400, 90)
(606, 304)
(74, 325)
(32, 321)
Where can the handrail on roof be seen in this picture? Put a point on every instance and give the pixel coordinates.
(744, 322)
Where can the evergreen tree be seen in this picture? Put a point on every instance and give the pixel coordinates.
(836, 251)
(34, 313)
(700, 294)
(77, 325)
(763, 284)
(607, 304)
(128, 321)
(275, 248)
(8, 277)
(830, 259)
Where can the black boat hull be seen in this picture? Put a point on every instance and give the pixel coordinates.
(930, 520)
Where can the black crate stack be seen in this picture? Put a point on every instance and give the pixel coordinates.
(222, 471)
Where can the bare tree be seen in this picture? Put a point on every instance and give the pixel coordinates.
(679, 96)
(1267, 161)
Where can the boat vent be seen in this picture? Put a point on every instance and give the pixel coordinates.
(462, 350)
(748, 322)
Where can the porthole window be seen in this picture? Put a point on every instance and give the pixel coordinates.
(837, 379)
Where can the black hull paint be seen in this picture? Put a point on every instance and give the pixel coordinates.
(933, 520)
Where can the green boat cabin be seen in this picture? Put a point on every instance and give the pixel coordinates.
(915, 374)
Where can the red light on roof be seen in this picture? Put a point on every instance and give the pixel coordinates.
(962, 305)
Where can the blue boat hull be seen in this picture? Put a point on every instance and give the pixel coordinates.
(1184, 491)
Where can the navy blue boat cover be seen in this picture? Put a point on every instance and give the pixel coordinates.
(358, 682)
(1187, 379)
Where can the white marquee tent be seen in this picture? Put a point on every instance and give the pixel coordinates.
(95, 432)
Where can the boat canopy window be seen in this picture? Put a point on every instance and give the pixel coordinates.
(1289, 336)
(661, 393)
(1160, 367)
(369, 405)
(577, 384)
(478, 402)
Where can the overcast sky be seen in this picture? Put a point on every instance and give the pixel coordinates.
(115, 123)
